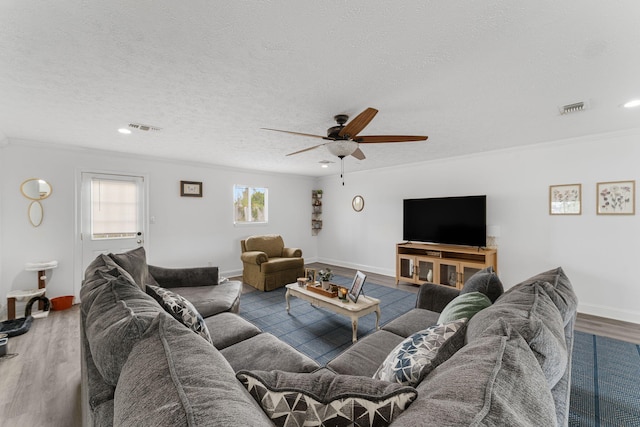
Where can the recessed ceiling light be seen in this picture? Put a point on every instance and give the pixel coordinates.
(324, 163)
(124, 131)
(633, 103)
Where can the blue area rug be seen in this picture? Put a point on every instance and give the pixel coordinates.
(316, 332)
(605, 382)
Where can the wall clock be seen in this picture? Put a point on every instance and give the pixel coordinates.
(357, 203)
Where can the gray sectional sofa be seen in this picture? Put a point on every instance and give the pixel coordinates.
(509, 365)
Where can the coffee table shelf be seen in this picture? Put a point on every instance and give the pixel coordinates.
(354, 311)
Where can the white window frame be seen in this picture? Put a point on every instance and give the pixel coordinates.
(238, 187)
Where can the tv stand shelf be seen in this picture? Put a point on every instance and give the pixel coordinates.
(445, 265)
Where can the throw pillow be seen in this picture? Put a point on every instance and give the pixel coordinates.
(464, 306)
(485, 281)
(181, 309)
(323, 398)
(134, 262)
(411, 360)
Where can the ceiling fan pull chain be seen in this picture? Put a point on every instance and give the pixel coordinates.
(342, 169)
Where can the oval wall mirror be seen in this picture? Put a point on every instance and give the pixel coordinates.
(357, 203)
(35, 213)
(36, 189)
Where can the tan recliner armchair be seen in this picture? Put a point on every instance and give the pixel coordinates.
(267, 264)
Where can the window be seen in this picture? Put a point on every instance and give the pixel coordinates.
(250, 205)
(114, 208)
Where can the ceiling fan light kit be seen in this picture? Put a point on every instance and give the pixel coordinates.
(342, 148)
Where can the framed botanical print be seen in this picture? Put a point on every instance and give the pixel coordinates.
(565, 199)
(616, 198)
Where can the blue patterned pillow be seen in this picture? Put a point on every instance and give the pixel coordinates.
(323, 398)
(415, 357)
(181, 309)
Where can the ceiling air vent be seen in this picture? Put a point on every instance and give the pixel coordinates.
(142, 127)
(573, 108)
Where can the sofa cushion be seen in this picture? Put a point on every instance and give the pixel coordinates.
(181, 310)
(266, 352)
(365, 356)
(228, 328)
(134, 262)
(493, 381)
(464, 306)
(529, 310)
(173, 379)
(485, 281)
(564, 297)
(411, 322)
(213, 299)
(413, 358)
(278, 264)
(102, 415)
(102, 270)
(118, 317)
(271, 244)
(324, 398)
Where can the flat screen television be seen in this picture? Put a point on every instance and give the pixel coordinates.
(447, 220)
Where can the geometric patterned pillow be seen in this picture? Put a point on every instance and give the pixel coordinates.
(411, 360)
(181, 309)
(323, 398)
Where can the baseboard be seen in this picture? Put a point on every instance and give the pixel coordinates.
(610, 313)
(230, 273)
(362, 267)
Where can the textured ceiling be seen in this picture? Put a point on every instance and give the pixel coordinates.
(474, 76)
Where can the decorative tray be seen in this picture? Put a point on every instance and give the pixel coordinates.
(318, 290)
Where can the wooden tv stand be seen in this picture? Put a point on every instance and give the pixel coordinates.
(441, 264)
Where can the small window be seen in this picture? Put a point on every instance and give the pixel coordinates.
(114, 209)
(250, 205)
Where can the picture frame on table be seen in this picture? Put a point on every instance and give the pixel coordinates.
(616, 198)
(565, 199)
(356, 286)
(310, 274)
(190, 189)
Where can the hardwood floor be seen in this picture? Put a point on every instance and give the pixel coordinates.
(40, 376)
(40, 385)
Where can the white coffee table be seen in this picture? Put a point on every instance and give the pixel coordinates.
(354, 311)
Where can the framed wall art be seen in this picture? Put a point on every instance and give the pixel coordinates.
(565, 199)
(190, 189)
(616, 198)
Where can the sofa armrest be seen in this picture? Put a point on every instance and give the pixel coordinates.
(291, 253)
(435, 297)
(184, 277)
(254, 257)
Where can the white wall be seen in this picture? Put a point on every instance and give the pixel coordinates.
(188, 231)
(599, 253)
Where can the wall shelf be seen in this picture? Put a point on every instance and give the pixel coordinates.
(316, 212)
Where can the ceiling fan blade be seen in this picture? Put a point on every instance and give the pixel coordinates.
(297, 133)
(358, 154)
(370, 139)
(306, 149)
(358, 123)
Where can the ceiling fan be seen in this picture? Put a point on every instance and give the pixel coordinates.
(345, 140)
